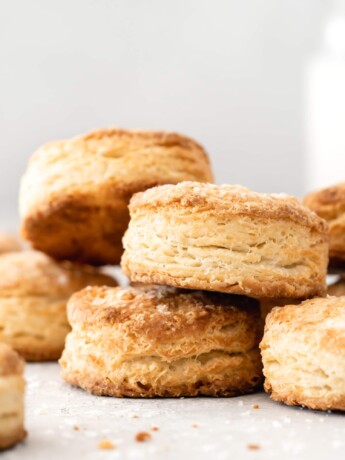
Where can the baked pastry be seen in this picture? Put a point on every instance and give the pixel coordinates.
(34, 290)
(303, 353)
(329, 203)
(160, 341)
(9, 243)
(226, 238)
(75, 193)
(11, 397)
(338, 288)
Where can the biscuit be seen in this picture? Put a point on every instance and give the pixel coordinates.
(75, 193)
(303, 353)
(9, 243)
(226, 238)
(139, 342)
(329, 203)
(11, 397)
(338, 288)
(34, 290)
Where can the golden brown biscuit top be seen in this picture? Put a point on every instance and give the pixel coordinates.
(324, 317)
(329, 202)
(34, 273)
(9, 243)
(116, 143)
(227, 200)
(161, 312)
(10, 362)
(121, 141)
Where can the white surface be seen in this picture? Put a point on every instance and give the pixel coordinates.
(227, 72)
(325, 121)
(225, 426)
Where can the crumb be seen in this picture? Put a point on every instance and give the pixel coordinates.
(76, 428)
(255, 406)
(105, 444)
(135, 416)
(195, 425)
(142, 436)
(154, 428)
(253, 447)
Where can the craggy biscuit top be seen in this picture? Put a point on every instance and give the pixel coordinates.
(162, 313)
(227, 200)
(321, 318)
(125, 161)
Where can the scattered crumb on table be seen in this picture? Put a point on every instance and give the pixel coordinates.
(154, 428)
(143, 436)
(105, 444)
(195, 425)
(253, 447)
(256, 406)
(76, 428)
(135, 416)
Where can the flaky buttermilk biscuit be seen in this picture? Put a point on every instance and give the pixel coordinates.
(34, 290)
(303, 353)
(74, 195)
(146, 342)
(226, 238)
(329, 203)
(11, 397)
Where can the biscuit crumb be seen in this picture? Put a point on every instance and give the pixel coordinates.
(135, 416)
(255, 406)
(154, 428)
(76, 428)
(253, 447)
(195, 425)
(105, 444)
(143, 436)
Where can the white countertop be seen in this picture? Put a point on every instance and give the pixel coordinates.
(225, 426)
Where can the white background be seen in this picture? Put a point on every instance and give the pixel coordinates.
(226, 72)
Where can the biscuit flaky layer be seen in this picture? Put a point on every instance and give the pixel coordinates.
(159, 341)
(329, 203)
(226, 238)
(11, 397)
(34, 290)
(74, 195)
(303, 353)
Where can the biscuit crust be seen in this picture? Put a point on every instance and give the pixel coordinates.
(74, 195)
(11, 397)
(227, 239)
(303, 353)
(329, 203)
(34, 290)
(159, 341)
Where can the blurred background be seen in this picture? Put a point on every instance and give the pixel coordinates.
(259, 84)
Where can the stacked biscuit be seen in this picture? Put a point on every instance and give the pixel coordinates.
(213, 251)
(200, 259)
